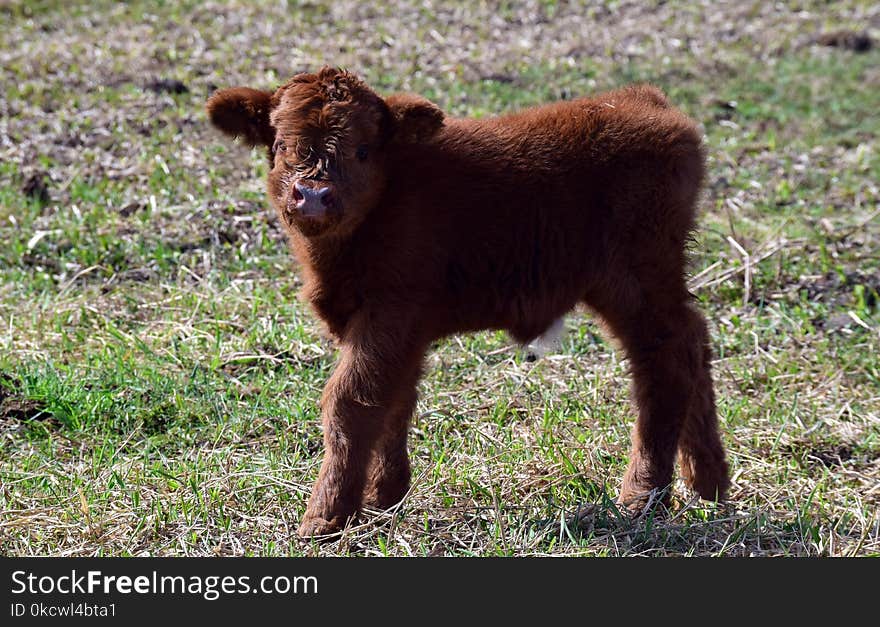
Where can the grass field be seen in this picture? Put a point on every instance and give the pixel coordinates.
(159, 377)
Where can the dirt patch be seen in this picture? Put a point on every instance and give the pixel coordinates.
(20, 410)
(831, 455)
(36, 187)
(167, 86)
(838, 289)
(132, 208)
(15, 408)
(847, 40)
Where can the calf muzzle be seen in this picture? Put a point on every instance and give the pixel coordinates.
(312, 201)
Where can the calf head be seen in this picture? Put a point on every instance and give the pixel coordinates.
(328, 136)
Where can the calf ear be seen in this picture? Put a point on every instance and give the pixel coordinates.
(413, 118)
(243, 112)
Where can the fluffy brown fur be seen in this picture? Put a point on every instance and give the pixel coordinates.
(411, 226)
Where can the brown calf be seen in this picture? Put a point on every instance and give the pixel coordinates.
(411, 226)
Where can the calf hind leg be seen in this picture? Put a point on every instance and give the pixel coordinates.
(701, 453)
(666, 341)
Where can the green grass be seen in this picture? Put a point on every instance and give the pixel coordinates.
(159, 378)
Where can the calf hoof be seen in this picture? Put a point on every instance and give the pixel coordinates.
(638, 500)
(313, 526)
(710, 481)
(387, 495)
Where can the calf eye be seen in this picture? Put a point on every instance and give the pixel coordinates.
(361, 153)
(279, 146)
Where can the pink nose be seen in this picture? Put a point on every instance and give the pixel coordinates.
(312, 201)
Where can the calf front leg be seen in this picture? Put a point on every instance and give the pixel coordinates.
(358, 414)
(388, 476)
(350, 429)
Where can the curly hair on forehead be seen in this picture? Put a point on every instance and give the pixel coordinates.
(331, 84)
